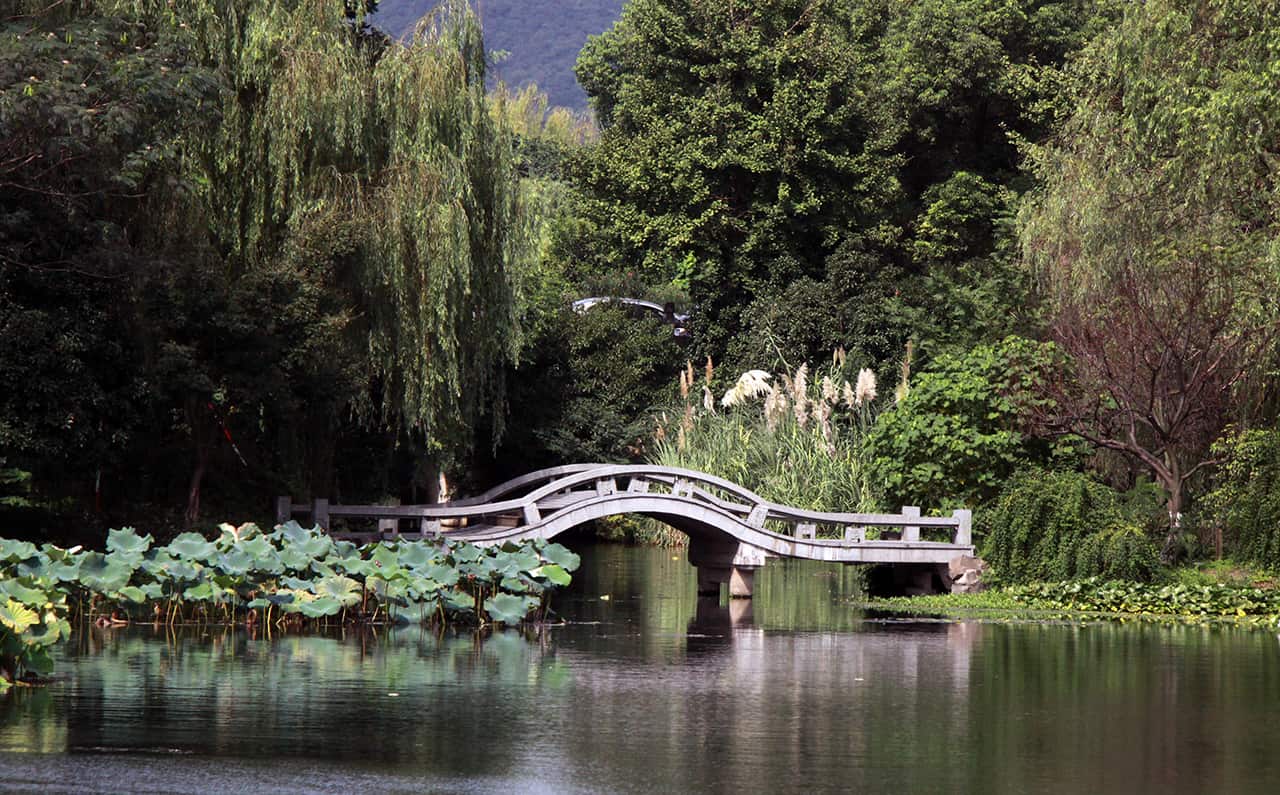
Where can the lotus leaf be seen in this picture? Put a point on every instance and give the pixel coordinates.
(296, 583)
(509, 564)
(235, 562)
(234, 536)
(204, 592)
(552, 573)
(129, 561)
(421, 587)
(152, 591)
(256, 547)
(268, 563)
(51, 630)
(415, 554)
(389, 591)
(337, 560)
(466, 553)
(384, 556)
(459, 601)
(131, 593)
(177, 570)
(38, 659)
(17, 617)
(320, 608)
(483, 569)
(64, 572)
(126, 539)
(102, 574)
(192, 546)
(561, 556)
(16, 550)
(290, 531)
(442, 574)
(313, 547)
(295, 560)
(342, 589)
(345, 549)
(507, 608)
(514, 585)
(26, 593)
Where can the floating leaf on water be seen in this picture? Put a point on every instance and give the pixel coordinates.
(126, 539)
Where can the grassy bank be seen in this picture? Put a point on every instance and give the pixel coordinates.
(1191, 596)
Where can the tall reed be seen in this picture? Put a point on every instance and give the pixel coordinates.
(796, 439)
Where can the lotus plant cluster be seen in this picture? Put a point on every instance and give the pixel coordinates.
(292, 576)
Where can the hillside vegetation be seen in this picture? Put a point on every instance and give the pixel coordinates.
(543, 38)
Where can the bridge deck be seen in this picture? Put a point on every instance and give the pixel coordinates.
(716, 514)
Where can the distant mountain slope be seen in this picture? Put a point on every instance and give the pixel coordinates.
(543, 37)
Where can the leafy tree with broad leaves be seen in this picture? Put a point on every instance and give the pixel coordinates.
(750, 147)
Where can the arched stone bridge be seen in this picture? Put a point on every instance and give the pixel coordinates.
(732, 531)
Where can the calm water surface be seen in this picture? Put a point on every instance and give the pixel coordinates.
(653, 690)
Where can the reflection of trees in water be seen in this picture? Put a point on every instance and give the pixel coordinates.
(673, 693)
(310, 696)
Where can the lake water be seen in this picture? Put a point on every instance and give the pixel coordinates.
(654, 690)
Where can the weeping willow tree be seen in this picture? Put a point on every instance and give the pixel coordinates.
(323, 142)
(326, 122)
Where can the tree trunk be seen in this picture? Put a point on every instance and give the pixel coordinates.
(202, 437)
(1169, 553)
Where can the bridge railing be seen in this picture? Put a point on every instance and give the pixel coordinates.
(540, 495)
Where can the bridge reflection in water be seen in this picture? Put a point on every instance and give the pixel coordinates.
(732, 531)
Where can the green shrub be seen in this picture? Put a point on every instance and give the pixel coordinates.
(1121, 552)
(956, 437)
(1245, 504)
(1061, 525)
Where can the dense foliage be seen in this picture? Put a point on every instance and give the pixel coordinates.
(291, 575)
(1050, 526)
(1154, 235)
(864, 149)
(261, 223)
(1245, 503)
(959, 432)
(267, 249)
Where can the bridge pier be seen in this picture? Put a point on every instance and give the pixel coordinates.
(720, 562)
